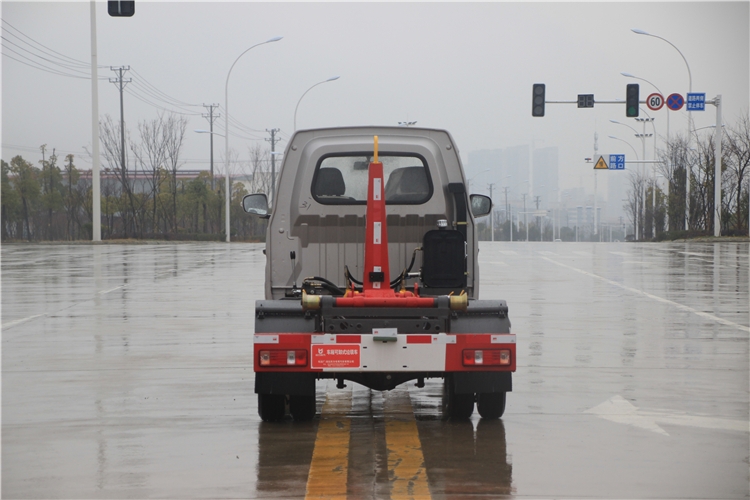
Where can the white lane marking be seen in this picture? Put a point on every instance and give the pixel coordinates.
(655, 297)
(495, 263)
(111, 290)
(545, 252)
(22, 320)
(508, 252)
(618, 409)
(624, 254)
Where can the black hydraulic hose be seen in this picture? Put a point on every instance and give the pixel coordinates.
(350, 277)
(328, 285)
(403, 274)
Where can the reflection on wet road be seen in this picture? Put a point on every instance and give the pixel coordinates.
(126, 373)
(381, 445)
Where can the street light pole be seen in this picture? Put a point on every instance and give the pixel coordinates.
(643, 137)
(690, 122)
(475, 176)
(635, 222)
(308, 90)
(227, 186)
(96, 223)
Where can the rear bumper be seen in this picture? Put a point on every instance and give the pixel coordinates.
(438, 352)
(383, 364)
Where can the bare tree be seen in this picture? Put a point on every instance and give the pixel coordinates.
(150, 155)
(174, 135)
(258, 169)
(109, 132)
(634, 203)
(737, 161)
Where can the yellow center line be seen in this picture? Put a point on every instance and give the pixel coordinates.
(405, 459)
(330, 460)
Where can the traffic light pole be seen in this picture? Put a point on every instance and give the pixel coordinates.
(632, 102)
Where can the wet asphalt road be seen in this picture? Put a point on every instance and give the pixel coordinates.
(126, 374)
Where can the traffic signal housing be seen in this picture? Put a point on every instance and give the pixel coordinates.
(121, 8)
(631, 100)
(537, 100)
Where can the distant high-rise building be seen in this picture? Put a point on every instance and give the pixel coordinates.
(546, 181)
(511, 167)
(617, 192)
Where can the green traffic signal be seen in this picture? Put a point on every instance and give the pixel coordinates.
(631, 100)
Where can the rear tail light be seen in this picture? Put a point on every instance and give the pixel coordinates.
(486, 357)
(283, 357)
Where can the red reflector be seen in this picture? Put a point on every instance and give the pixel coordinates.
(283, 357)
(486, 357)
(419, 339)
(348, 339)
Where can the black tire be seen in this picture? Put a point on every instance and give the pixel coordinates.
(302, 408)
(456, 406)
(271, 407)
(491, 404)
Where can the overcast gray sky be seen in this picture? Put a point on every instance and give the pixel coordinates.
(464, 67)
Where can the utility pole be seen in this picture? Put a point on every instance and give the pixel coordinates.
(96, 228)
(507, 213)
(120, 82)
(492, 215)
(211, 117)
(273, 140)
(524, 217)
(539, 219)
(596, 155)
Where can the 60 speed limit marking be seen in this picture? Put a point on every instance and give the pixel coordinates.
(655, 101)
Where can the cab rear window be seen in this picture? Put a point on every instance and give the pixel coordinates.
(342, 179)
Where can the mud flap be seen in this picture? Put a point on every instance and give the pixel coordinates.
(482, 382)
(293, 384)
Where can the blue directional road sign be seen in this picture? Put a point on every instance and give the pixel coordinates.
(617, 162)
(696, 101)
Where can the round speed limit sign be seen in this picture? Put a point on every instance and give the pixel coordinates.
(655, 101)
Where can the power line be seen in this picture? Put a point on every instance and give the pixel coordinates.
(166, 96)
(44, 68)
(145, 90)
(67, 66)
(145, 100)
(71, 60)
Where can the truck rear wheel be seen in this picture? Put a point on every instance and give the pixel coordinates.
(456, 406)
(271, 407)
(491, 404)
(302, 408)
